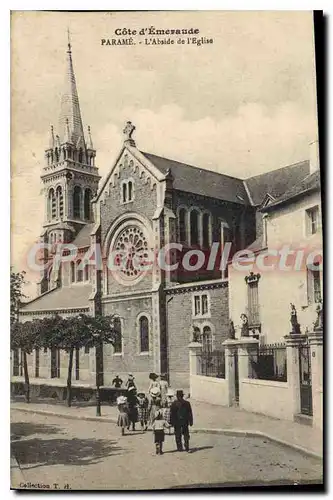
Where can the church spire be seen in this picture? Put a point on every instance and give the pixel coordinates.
(70, 114)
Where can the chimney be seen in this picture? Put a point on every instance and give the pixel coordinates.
(314, 156)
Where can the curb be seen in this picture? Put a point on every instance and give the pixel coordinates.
(226, 432)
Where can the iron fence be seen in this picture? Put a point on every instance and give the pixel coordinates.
(269, 362)
(212, 363)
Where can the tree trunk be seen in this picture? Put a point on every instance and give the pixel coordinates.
(69, 377)
(26, 378)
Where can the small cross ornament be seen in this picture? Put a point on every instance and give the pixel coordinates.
(128, 131)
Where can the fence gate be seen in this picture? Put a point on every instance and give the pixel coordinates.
(305, 379)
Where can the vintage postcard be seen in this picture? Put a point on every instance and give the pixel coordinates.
(166, 261)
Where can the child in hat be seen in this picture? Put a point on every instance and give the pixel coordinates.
(123, 420)
(167, 407)
(143, 410)
(155, 403)
(159, 424)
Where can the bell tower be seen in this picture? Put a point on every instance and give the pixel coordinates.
(70, 177)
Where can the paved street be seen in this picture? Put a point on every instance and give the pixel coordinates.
(93, 455)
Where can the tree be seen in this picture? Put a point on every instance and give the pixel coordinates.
(17, 281)
(97, 331)
(26, 336)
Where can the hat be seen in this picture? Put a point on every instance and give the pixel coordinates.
(170, 392)
(155, 391)
(131, 388)
(153, 376)
(121, 400)
(180, 393)
(130, 375)
(141, 393)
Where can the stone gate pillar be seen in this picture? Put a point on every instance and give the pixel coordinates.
(293, 343)
(316, 353)
(195, 350)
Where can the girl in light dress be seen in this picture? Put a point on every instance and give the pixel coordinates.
(123, 420)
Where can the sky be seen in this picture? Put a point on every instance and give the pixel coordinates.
(243, 105)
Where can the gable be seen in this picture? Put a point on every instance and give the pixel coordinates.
(131, 158)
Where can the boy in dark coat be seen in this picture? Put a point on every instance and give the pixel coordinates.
(181, 418)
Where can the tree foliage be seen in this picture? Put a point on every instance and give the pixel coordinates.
(17, 280)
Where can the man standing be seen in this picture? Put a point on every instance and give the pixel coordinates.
(181, 417)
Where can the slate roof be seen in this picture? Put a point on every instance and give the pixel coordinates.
(73, 297)
(309, 183)
(83, 237)
(276, 182)
(201, 181)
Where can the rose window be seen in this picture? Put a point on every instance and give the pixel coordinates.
(131, 252)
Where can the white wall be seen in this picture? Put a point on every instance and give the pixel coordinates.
(267, 397)
(209, 390)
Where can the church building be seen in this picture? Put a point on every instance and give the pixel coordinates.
(145, 204)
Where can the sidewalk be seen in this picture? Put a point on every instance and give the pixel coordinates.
(207, 418)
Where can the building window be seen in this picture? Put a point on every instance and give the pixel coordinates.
(52, 206)
(79, 271)
(36, 363)
(144, 334)
(207, 340)
(201, 305)
(16, 362)
(253, 299)
(118, 344)
(314, 286)
(60, 202)
(206, 230)
(127, 191)
(194, 224)
(87, 202)
(312, 220)
(86, 349)
(77, 202)
(182, 225)
(86, 272)
(72, 272)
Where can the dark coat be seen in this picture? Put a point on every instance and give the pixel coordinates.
(181, 413)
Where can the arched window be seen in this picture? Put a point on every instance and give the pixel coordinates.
(80, 155)
(60, 202)
(79, 272)
(51, 206)
(194, 222)
(86, 272)
(64, 153)
(182, 225)
(118, 343)
(206, 230)
(144, 334)
(72, 272)
(124, 192)
(77, 202)
(87, 201)
(130, 190)
(207, 341)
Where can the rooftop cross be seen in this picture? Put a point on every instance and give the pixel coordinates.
(128, 131)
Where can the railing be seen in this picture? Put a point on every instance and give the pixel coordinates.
(269, 363)
(212, 364)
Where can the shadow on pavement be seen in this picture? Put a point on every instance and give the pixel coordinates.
(192, 450)
(23, 429)
(38, 452)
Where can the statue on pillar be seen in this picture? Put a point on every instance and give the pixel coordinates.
(232, 331)
(195, 334)
(295, 326)
(245, 326)
(318, 324)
